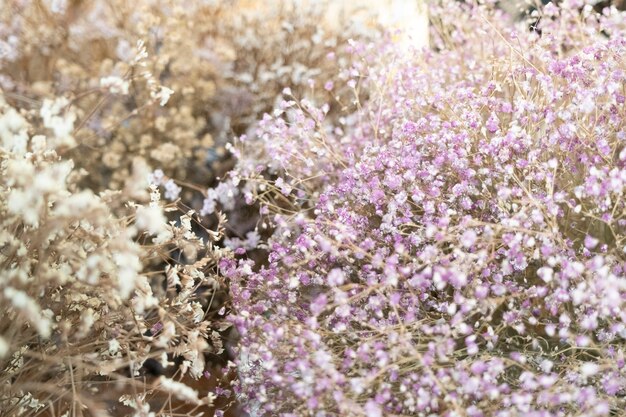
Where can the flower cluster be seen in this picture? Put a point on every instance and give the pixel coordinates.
(88, 298)
(457, 244)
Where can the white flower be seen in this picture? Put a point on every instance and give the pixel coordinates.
(545, 273)
(13, 133)
(129, 266)
(142, 53)
(336, 277)
(144, 411)
(38, 143)
(163, 95)
(151, 219)
(587, 105)
(30, 309)
(61, 125)
(546, 365)
(179, 390)
(114, 347)
(25, 204)
(81, 202)
(115, 85)
(589, 369)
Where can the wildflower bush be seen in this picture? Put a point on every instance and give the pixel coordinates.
(456, 244)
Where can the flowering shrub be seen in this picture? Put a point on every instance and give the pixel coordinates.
(457, 244)
(81, 289)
